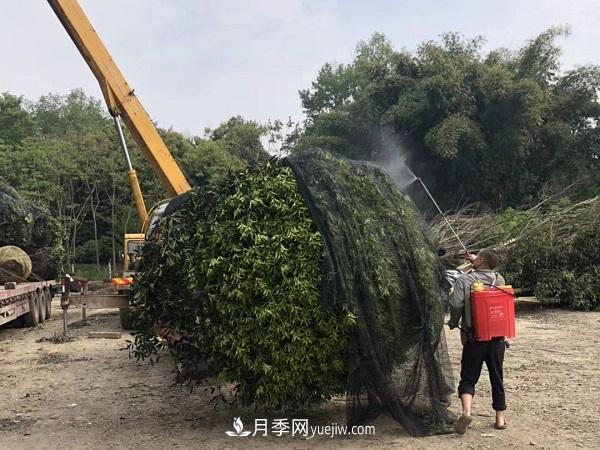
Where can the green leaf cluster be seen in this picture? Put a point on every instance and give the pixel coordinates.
(236, 274)
(34, 230)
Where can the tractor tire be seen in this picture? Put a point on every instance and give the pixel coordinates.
(48, 302)
(41, 305)
(126, 323)
(32, 318)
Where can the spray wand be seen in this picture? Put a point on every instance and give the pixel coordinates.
(443, 215)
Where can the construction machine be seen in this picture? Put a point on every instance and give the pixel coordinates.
(125, 107)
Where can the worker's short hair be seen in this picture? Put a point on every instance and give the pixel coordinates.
(490, 257)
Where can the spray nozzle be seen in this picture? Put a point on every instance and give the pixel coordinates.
(442, 214)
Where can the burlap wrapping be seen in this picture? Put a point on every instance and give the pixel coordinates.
(15, 264)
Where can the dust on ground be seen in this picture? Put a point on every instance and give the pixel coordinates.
(88, 393)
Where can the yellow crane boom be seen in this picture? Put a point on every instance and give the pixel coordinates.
(122, 105)
(122, 102)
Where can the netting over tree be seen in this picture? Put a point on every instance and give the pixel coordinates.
(301, 280)
(381, 264)
(31, 228)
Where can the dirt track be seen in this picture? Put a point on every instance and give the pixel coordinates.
(89, 394)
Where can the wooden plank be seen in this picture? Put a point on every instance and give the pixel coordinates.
(104, 334)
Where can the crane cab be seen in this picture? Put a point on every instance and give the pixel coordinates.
(133, 247)
(131, 253)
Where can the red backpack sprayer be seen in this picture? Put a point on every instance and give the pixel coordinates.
(492, 307)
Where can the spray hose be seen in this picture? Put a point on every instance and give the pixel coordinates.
(442, 214)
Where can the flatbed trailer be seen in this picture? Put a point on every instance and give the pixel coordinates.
(27, 303)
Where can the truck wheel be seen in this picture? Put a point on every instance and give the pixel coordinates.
(41, 305)
(126, 323)
(33, 316)
(48, 302)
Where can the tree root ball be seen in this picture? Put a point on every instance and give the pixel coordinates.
(15, 264)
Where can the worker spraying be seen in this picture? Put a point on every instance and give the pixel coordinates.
(478, 349)
(475, 352)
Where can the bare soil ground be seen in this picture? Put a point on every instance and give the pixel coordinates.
(88, 393)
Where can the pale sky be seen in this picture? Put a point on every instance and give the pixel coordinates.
(196, 63)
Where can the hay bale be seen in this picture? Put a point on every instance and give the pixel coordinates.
(15, 264)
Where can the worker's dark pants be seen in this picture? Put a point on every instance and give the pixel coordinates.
(473, 356)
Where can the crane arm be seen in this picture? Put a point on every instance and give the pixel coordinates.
(120, 97)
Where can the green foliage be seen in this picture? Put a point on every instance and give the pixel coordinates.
(574, 279)
(92, 271)
(62, 154)
(33, 229)
(447, 138)
(74, 113)
(507, 225)
(331, 90)
(539, 59)
(241, 139)
(86, 252)
(237, 268)
(202, 160)
(15, 122)
(493, 129)
(57, 253)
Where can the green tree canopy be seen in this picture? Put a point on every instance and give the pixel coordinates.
(15, 121)
(494, 128)
(62, 153)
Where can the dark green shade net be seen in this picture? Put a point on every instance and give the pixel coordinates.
(381, 264)
(30, 228)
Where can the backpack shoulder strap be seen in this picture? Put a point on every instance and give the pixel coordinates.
(495, 278)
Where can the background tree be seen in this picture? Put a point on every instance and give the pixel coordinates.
(61, 152)
(15, 122)
(495, 129)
